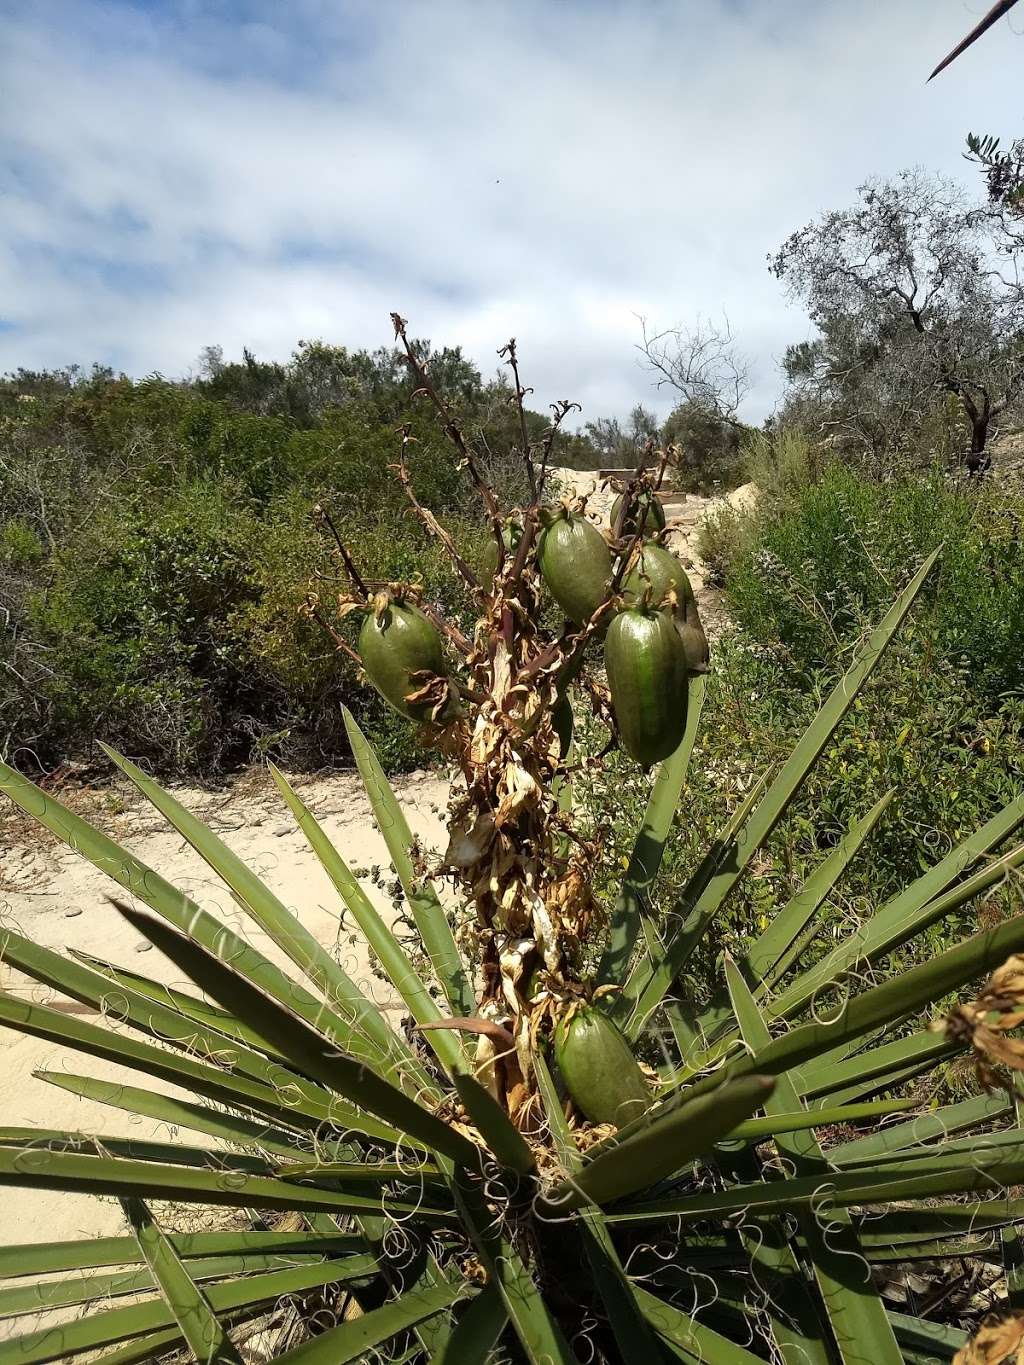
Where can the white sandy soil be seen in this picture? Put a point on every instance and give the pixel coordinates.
(57, 898)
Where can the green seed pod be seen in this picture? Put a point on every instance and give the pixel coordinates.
(648, 505)
(394, 644)
(695, 642)
(562, 722)
(658, 569)
(576, 564)
(511, 534)
(646, 666)
(600, 1072)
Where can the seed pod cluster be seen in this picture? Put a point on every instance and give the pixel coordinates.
(654, 641)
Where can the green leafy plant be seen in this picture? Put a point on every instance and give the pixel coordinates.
(485, 1196)
(807, 573)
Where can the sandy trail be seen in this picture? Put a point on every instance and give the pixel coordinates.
(58, 899)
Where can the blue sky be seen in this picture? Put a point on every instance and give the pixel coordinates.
(177, 173)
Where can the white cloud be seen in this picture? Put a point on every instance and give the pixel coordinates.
(544, 170)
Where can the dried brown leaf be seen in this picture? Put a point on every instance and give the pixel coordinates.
(466, 846)
(984, 1024)
(994, 1343)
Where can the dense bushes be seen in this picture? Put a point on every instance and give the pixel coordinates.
(806, 572)
(157, 541)
(137, 615)
(914, 731)
(711, 448)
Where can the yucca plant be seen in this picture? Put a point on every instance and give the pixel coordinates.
(519, 1184)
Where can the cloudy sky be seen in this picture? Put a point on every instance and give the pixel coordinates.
(177, 173)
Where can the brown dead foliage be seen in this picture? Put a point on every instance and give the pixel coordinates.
(985, 1024)
(997, 1341)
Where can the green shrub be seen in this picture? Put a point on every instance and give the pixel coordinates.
(157, 543)
(712, 455)
(821, 565)
(722, 537)
(915, 730)
(943, 724)
(138, 620)
(20, 546)
(306, 680)
(175, 629)
(780, 463)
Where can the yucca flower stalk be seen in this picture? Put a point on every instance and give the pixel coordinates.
(520, 870)
(462, 1207)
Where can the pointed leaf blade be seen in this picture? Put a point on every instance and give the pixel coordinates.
(767, 956)
(182, 912)
(203, 1331)
(773, 805)
(271, 914)
(477, 1331)
(928, 899)
(355, 1339)
(393, 957)
(167, 1109)
(661, 1148)
(424, 902)
(153, 1316)
(495, 1126)
(312, 1052)
(854, 1307)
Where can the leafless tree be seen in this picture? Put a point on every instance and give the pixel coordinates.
(702, 363)
(911, 301)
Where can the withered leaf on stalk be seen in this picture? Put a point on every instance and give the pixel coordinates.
(435, 690)
(468, 842)
(994, 1343)
(487, 1028)
(516, 790)
(347, 605)
(985, 1023)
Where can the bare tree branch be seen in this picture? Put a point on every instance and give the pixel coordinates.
(702, 363)
(908, 308)
(431, 523)
(508, 352)
(452, 430)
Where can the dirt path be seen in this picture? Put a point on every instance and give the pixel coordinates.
(58, 899)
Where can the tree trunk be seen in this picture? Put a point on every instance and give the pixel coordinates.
(979, 461)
